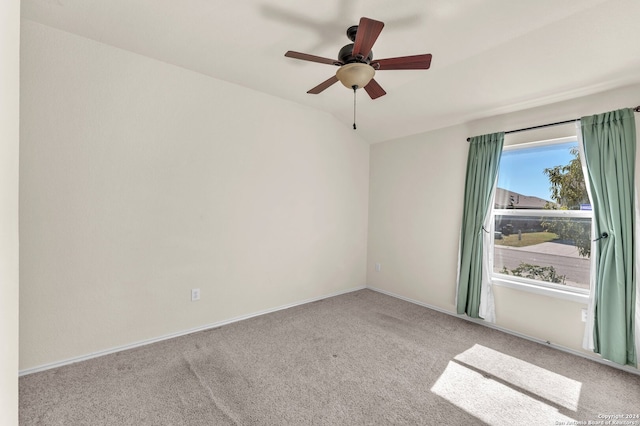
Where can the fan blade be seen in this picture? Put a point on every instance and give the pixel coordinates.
(366, 36)
(374, 89)
(415, 62)
(325, 84)
(312, 58)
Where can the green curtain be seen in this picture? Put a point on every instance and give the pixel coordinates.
(482, 171)
(610, 153)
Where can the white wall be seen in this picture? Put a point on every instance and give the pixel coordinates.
(416, 197)
(9, 142)
(140, 180)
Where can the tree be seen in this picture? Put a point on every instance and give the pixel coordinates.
(568, 187)
(569, 190)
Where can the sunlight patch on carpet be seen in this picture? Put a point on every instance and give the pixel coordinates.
(546, 384)
(520, 393)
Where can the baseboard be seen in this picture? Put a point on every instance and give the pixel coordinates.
(291, 305)
(511, 332)
(177, 334)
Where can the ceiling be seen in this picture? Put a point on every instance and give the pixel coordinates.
(489, 56)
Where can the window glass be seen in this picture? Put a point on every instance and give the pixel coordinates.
(542, 217)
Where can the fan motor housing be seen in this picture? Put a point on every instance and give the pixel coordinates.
(346, 55)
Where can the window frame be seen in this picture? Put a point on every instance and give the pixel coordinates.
(526, 284)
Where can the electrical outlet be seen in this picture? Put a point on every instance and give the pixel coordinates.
(195, 294)
(378, 267)
(584, 315)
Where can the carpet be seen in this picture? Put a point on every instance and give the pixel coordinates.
(362, 358)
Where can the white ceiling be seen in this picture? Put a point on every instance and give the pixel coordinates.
(489, 56)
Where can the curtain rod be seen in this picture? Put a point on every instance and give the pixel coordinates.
(636, 109)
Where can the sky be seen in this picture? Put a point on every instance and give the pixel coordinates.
(521, 170)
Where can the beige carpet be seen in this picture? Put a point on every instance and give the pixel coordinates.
(360, 358)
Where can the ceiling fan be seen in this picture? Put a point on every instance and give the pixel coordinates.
(357, 66)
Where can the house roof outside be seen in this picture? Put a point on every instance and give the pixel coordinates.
(506, 199)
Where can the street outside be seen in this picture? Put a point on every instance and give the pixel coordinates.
(563, 257)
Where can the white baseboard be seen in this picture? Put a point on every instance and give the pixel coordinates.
(511, 332)
(177, 334)
(291, 305)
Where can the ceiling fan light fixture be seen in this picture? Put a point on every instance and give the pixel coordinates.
(355, 74)
(357, 66)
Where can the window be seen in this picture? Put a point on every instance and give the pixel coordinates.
(542, 218)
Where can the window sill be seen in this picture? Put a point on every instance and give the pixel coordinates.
(545, 291)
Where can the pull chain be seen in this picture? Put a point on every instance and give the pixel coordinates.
(354, 106)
